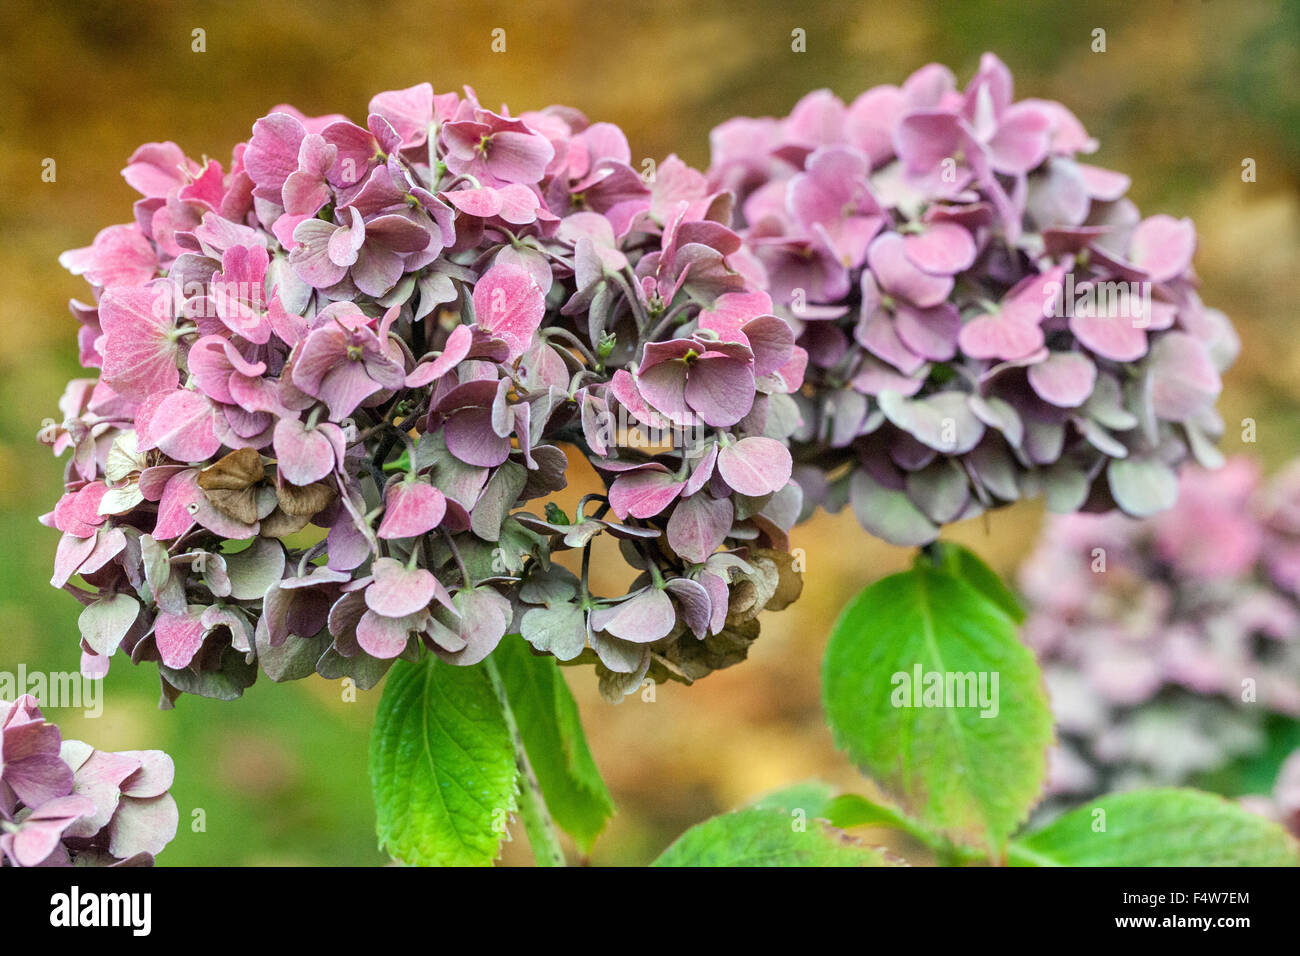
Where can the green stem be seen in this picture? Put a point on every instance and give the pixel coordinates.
(543, 836)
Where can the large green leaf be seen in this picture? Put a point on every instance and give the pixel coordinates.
(811, 796)
(965, 564)
(1157, 828)
(818, 799)
(769, 837)
(442, 766)
(551, 729)
(959, 767)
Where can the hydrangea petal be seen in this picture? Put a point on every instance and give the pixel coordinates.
(755, 465)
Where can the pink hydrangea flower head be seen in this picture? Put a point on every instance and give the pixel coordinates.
(972, 302)
(1148, 631)
(336, 387)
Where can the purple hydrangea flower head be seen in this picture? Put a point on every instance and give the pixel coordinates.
(336, 383)
(985, 316)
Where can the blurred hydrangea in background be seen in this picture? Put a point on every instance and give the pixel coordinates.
(1168, 644)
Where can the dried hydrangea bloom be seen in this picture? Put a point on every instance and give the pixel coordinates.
(1166, 642)
(338, 380)
(64, 803)
(986, 316)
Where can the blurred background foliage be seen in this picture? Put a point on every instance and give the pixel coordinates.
(1184, 92)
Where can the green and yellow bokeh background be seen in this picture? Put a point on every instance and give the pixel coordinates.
(1185, 91)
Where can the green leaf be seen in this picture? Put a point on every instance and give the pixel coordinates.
(442, 767)
(850, 810)
(551, 729)
(972, 771)
(965, 564)
(811, 796)
(769, 837)
(1257, 771)
(1157, 828)
(818, 799)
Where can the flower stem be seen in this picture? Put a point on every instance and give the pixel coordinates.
(543, 836)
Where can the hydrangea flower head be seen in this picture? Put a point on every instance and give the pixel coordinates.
(337, 381)
(985, 315)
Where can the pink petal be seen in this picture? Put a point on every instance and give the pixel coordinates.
(930, 333)
(1184, 381)
(664, 387)
(139, 353)
(484, 201)
(1114, 337)
(408, 111)
(457, 347)
(272, 153)
(483, 615)
(386, 637)
(40, 834)
(509, 304)
(696, 604)
(71, 554)
(1065, 379)
(899, 277)
(119, 256)
(1162, 246)
(1104, 184)
(303, 455)
(155, 169)
(721, 389)
(998, 336)
(519, 157)
(943, 248)
(1021, 141)
(643, 494)
(646, 617)
(772, 342)
(179, 636)
(471, 439)
(412, 508)
(397, 590)
(699, 525)
(157, 770)
(183, 427)
(755, 466)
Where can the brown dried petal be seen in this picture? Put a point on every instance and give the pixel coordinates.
(751, 591)
(237, 503)
(237, 471)
(279, 524)
(305, 501)
(789, 581)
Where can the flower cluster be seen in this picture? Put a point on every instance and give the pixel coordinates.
(986, 316)
(333, 374)
(64, 803)
(1166, 642)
